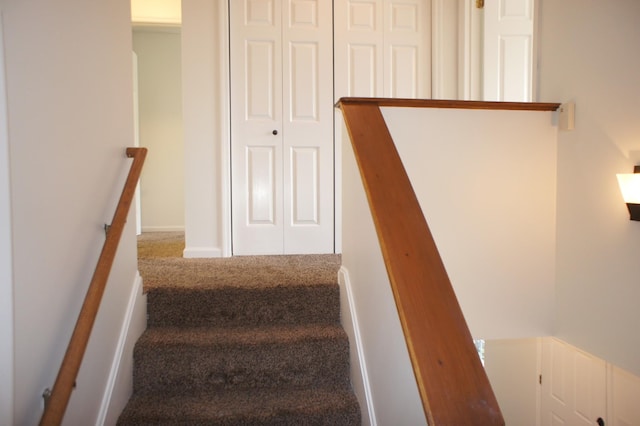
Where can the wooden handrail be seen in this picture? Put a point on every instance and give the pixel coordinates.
(452, 382)
(61, 392)
(446, 103)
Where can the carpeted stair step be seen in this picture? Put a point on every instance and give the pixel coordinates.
(245, 341)
(236, 306)
(189, 360)
(326, 407)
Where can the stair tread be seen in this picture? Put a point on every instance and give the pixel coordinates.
(240, 271)
(246, 407)
(210, 284)
(212, 336)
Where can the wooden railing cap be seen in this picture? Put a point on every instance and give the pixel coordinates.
(444, 103)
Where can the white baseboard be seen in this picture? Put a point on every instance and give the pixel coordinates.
(197, 252)
(359, 375)
(177, 228)
(120, 381)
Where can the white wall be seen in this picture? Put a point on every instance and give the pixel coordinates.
(160, 121)
(513, 367)
(205, 112)
(487, 189)
(69, 85)
(589, 54)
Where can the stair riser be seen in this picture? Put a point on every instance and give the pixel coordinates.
(309, 410)
(334, 417)
(233, 307)
(187, 369)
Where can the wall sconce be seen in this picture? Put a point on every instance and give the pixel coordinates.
(630, 188)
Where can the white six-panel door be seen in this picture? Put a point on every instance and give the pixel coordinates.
(407, 48)
(282, 126)
(508, 50)
(573, 390)
(383, 48)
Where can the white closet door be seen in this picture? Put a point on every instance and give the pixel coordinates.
(282, 126)
(407, 48)
(574, 385)
(256, 126)
(359, 48)
(308, 126)
(508, 50)
(383, 48)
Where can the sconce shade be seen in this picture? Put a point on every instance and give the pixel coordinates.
(630, 188)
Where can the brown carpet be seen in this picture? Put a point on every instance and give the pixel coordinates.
(240, 341)
(160, 244)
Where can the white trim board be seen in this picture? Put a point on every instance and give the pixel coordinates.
(199, 252)
(225, 127)
(359, 376)
(470, 39)
(177, 228)
(444, 49)
(6, 262)
(120, 381)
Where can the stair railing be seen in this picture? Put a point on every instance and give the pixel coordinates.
(451, 380)
(57, 402)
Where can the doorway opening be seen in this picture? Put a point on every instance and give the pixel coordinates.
(158, 112)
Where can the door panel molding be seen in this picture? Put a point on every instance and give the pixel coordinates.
(383, 48)
(508, 50)
(573, 388)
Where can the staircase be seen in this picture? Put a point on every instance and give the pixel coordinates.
(242, 341)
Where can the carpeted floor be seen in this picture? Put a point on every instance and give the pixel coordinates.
(161, 264)
(250, 340)
(160, 244)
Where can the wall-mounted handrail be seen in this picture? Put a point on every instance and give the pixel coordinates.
(453, 385)
(61, 392)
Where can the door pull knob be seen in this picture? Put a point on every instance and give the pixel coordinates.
(275, 132)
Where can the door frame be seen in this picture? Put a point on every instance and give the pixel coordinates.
(470, 39)
(6, 262)
(224, 68)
